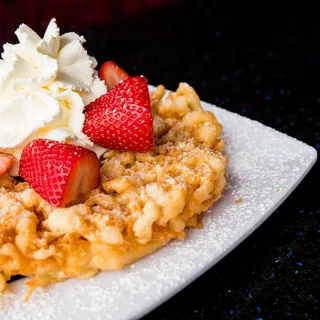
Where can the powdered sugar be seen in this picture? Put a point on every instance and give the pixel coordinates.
(264, 167)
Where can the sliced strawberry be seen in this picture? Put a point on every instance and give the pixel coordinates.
(6, 161)
(122, 119)
(112, 74)
(59, 172)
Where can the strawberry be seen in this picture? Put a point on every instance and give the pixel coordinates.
(112, 74)
(59, 172)
(122, 119)
(6, 161)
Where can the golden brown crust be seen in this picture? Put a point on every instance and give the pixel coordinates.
(144, 201)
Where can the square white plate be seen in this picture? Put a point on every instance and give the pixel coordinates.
(265, 166)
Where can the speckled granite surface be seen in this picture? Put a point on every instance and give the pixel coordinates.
(265, 65)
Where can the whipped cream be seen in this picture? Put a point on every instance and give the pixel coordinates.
(44, 86)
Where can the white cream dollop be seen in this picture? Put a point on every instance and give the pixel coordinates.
(44, 86)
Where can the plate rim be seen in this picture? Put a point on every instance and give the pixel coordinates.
(188, 280)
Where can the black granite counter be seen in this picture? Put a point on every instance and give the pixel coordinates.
(265, 66)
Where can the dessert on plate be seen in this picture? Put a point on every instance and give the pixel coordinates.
(96, 169)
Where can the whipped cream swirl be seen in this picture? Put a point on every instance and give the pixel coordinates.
(44, 86)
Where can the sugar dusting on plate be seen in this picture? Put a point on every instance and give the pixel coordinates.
(264, 167)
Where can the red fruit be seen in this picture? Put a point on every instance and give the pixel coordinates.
(59, 172)
(122, 119)
(6, 161)
(112, 74)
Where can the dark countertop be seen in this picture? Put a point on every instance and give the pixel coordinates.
(264, 66)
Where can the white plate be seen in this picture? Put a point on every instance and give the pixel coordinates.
(265, 166)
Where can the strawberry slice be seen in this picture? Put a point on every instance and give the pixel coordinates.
(59, 172)
(122, 119)
(6, 161)
(112, 74)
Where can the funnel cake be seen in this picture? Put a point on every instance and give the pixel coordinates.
(144, 200)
